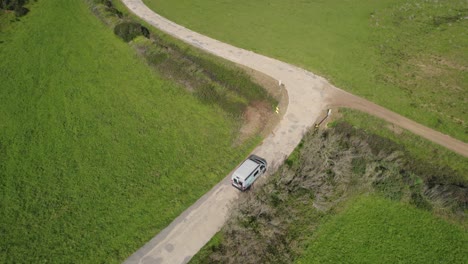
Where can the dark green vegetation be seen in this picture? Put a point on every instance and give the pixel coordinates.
(98, 151)
(298, 208)
(376, 230)
(16, 6)
(10, 12)
(410, 56)
(130, 30)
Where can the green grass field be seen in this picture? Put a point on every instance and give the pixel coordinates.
(376, 230)
(97, 152)
(410, 56)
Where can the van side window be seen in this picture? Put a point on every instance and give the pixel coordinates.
(256, 173)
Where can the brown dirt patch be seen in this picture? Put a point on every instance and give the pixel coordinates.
(334, 116)
(448, 63)
(395, 129)
(436, 66)
(255, 119)
(429, 69)
(260, 118)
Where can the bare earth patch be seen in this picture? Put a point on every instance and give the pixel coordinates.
(256, 116)
(260, 118)
(395, 129)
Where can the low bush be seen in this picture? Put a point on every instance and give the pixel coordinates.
(130, 30)
(15, 5)
(21, 11)
(272, 223)
(12, 4)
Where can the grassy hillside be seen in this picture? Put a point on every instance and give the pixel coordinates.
(420, 148)
(409, 56)
(375, 230)
(97, 152)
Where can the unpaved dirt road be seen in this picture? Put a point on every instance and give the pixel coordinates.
(309, 96)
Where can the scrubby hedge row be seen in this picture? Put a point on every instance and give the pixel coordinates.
(130, 30)
(210, 81)
(15, 5)
(271, 223)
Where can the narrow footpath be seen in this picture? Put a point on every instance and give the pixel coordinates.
(309, 97)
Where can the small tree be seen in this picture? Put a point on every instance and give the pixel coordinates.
(130, 30)
(15, 5)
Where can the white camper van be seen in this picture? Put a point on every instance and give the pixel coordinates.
(249, 171)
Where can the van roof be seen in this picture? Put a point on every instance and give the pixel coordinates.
(244, 170)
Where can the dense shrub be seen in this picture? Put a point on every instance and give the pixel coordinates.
(107, 3)
(119, 14)
(11, 4)
(130, 30)
(267, 224)
(21, 11)
(15, 5)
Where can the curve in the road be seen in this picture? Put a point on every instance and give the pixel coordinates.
(308, 94)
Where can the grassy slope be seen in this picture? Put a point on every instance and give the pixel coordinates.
(375, 230)
(409, 56)
(97, 154)
(419, 147)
